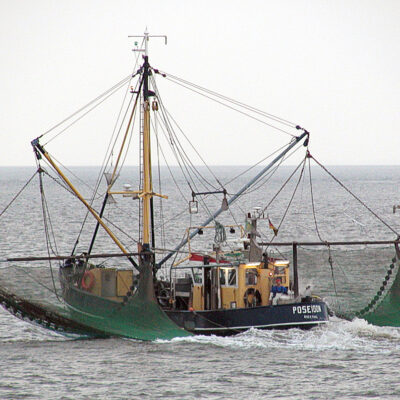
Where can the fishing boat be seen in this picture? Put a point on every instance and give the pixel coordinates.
(215, 296)
(226, 287)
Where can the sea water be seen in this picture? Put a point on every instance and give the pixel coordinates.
(341, 360)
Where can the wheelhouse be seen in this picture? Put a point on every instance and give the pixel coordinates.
(226, 286)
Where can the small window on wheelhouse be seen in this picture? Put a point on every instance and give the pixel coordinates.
(251, 276)
(222, 277)
(227, 277)
(232, 277)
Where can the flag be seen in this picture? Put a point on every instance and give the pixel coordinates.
(271, 226)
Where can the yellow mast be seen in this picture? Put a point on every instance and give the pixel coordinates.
(147, 183)
(146, 194)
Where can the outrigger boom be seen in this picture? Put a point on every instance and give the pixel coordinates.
(239, 193)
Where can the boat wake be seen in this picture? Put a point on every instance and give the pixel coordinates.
(357, 335)
(341, 335)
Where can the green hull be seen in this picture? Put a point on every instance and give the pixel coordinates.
(140, 317)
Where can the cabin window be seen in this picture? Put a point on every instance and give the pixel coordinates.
(222, 277)
(232, 277)
(251, 276)
(279, 270)
(227, 277)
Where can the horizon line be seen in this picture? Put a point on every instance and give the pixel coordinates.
(210, 165)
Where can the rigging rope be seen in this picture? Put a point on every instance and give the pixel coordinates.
(352, 194)
(167, 114)
(256, 164)
(262, 182)
(45, 212)
(105, 218)
(33, 278)
(234, 109)
(109, 152)
(176, 146)
(291, 199)
(19, 192)
(333, 276)
(283, 186)
(181, 158)
(162, 231)
(264, 179)
(312, 203)
(250, 108)
(195, 170)
(109, 94)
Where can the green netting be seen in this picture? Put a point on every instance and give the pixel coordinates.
(363, 281)
(358, 285)
(385, 311)
(139, 318)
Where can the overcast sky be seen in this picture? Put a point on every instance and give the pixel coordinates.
(330, 66)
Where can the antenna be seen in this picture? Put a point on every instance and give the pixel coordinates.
(146, 36)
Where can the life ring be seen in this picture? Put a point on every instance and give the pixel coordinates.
(252, 298)
(88, 285)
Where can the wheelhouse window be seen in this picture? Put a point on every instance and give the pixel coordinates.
(279, 270)
(251, 276)
(222, 277)
(227, 277)
(232, 277)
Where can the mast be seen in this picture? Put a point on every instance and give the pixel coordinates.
(147, 193)
(147, 182)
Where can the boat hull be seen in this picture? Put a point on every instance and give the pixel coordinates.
(233, 321)
(144, 320)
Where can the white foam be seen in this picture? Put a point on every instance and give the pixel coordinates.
(338, 334)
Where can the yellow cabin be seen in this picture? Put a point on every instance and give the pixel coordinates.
(222, 287)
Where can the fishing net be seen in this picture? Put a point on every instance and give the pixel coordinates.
(356, 281)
